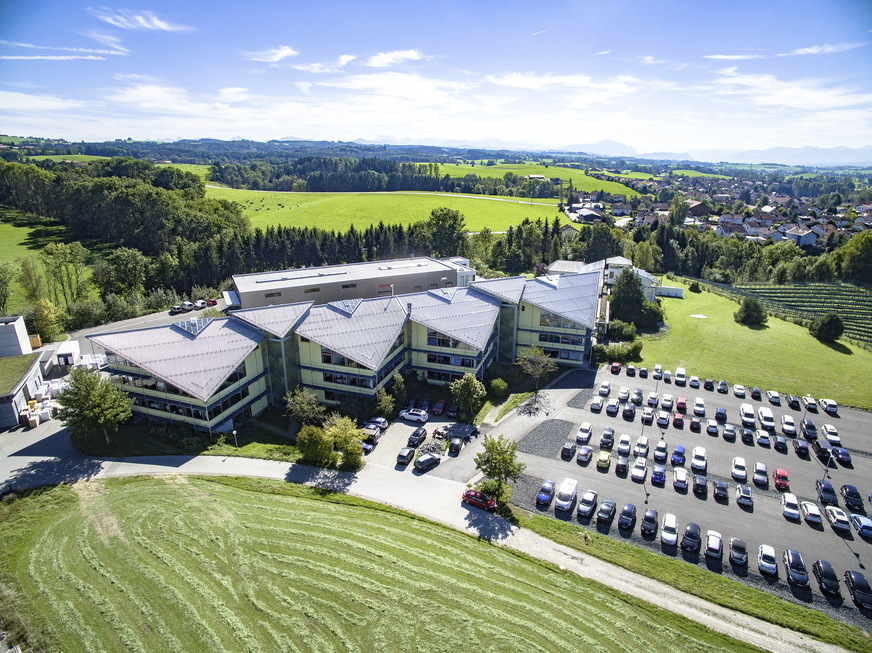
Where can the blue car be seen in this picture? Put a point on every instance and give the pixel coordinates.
(678, 455)
(658, 475)
(721, 414)
(546, 493)
(842, 455)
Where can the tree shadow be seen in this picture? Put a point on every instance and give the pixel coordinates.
(55, 471)
(328, 480)
(538, 403)
(490, 527)
(757, 327)
(839, 348)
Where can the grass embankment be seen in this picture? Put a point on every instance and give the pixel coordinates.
(699, 582)
(340, 210)
(192, 564)
(780, 356)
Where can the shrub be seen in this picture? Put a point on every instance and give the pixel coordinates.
(751, 312)
(499, 389)
(827, 328)
(316, 446)
(620, 353)
(694, 287)
(622, 331)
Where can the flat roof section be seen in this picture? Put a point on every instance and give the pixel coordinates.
(300, 277)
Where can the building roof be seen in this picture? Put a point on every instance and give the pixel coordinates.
(575, 267)
(508, 289)
(277, 320)
(14, 370)
(574, 297)
(363, 330)
(196, 360)
(300, 277)
(465, 314)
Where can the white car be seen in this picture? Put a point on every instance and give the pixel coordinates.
(414, 415)
(647, 415)
(679, 478)
(714, 544)
(613, 407)
(790, 506)
(766, 561)
(837, 518)
(596, 404)
(699, 407)
(788, 425)
(200, 303)
(743, 495)
(624, 445)
(773, 397)
(739, 471)
(699, 460)
(762, 438)
(623, 394)
(667, 402)
(694, 382)
(739, 390)
(587, 504)
(605, 388)
(640, 470)
(829, 406)
(584, 433)
(653, 400)
(669, 530)
(832, 435)
(641, 448)
(811, 512)
(662, 418)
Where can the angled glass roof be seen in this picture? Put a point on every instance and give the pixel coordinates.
(194, 325)
(277, 320)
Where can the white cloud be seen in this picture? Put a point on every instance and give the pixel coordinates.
(329, 67)
(648, 59)
(233, 94)
(31, 46)
(541, 31)
(385, 59)
(602, 52)
(109, 40)
(28, 103)
(126, 19)
(733, 57)
(52, 57)
(272, 56)
(823, 49)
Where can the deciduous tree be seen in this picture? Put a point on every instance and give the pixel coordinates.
(827, 328)
(751, 312)
(93, 404)
(7, 275)
(447, 230)
(535, 363)
(499, 462)
(303, 405)
(469, 393)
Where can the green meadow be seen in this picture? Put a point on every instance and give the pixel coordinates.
(67, 157)
(193, 564)
(697, 173)
(340, 210)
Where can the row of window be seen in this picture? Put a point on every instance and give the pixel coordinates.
(456, 361)
(436, 339)
(564, 355)
(188, 411)
(349, 379)
(558, 322)
(445, 377)
(575, 341)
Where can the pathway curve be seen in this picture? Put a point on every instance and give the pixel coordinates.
(44, 456)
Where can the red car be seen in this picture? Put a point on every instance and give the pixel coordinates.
(479, 500)
(681, 404)
(678, 420)
(616, 368)
(439, 408)
(212, 302)
(780, 478)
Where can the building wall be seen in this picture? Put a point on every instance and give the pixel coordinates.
(13, 337)
(444, 359)
(571, 346)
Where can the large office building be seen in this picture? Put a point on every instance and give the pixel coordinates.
(205, 372)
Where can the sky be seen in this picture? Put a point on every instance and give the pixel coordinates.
(656, 75)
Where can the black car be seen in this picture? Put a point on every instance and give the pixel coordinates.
(780, 443)
(720, 491)
(629, 411)
(723, 388)
(568, 450)
(627, 518)
(801, 448)
(858, 588)
(721, 414)
(649, 523)
(738, 552)
(700, 484)
(853, 499)
(418, 436)
(452, 411)
(622, 465)
(427, 461)
(809, 430)
(631, 370)
(797, 574)
(747, 436)
(606, 513)
(756, 393)
(405, 456)
(643, 372)
(690, 539)
(792, 401)
(607, 441)
(709, 384)
(826, 493)
(826, 577)
(455, 445)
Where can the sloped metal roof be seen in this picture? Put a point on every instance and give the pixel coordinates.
(277, 320)
(196, 363)
(574, 297)
(509, 289)
(468, 315)
(575, 267)
(365, 334)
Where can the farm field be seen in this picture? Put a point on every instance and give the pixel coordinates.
(637, 175)
(780, 356)
(340, 210)
(198, 169)
(68, 157)
(696, 173)
(580, 181)
(192, 564)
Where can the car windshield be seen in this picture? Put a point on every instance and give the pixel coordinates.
(739, 547)
(767, 557)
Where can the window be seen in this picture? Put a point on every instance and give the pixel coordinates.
(311, 290)
(272, 294)
(303, 339)
(346, 286)
(433, 286)
(417, 288)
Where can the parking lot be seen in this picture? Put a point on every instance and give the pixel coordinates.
(764, 523)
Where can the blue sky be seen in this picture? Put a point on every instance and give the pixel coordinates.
(656, 75)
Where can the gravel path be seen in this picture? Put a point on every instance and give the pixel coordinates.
(547, 438)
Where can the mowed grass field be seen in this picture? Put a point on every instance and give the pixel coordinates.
(201, 170)
(580, 181)
(192, 564)
(780, 356)
(696, 173)
(340, 210)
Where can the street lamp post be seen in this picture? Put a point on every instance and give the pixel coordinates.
(235, 443)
